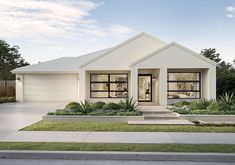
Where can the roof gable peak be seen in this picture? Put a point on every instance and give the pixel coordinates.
(180, 47)
(122, 44)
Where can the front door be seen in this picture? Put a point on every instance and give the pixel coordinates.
(144, 87)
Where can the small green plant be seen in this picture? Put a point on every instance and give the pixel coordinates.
(182, 103)
(98, 105)
(72, 106)
(111, 105)
(129, 104)
(224, 106)
(85, 107)
(199, 104)
(7, 99)
(213, 106)
(227, 98)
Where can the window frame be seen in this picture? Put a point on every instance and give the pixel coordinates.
(185, 81)
(109, 82)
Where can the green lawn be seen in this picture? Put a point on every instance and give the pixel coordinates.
(52, 146)
(121, 127)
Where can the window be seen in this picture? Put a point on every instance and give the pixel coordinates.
(183, 85)
(109, 85)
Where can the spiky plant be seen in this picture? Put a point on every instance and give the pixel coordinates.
(227, 98)
(85, 107)
(129, 104)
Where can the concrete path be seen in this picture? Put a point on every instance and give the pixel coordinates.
(14, 116)
(122, 137)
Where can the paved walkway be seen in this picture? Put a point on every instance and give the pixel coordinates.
(122, 137)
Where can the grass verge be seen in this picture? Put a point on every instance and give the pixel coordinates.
(51, 146)
(121, 127)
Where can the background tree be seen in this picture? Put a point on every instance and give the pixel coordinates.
(225, 72)
(211, 54)
(10, 58)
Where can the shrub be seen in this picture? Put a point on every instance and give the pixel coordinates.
(98, 105)
(199, 104)
(129, 104)
(72, 106)
(7, 99)
(85, 107)
(199, 111)
(213, 106)
(111, 105)
(182, 103)
(223, 106)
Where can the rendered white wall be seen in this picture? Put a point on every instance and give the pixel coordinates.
(175, 58)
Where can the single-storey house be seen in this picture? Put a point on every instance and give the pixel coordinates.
(143, 67)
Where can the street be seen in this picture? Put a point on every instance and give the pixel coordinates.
(102, 162)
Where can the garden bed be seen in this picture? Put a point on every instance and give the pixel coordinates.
(123, 108)
(225, 105)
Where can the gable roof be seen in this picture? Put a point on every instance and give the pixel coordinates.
(179, 46)
(122, 44)
(73, 64)
(60, 65)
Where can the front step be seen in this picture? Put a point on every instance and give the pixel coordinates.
(154, 107)
(160, 115)
(158, 112)
(162, 122)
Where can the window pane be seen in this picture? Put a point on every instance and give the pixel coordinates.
(183, 95)
(99, 86)
(99, 94)
(183, 76)
(183, 86)
(118, 86)
(119, 94)
(117, 77)
(99, 77)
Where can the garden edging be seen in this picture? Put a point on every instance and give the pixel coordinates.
(92, 118)
(210, 118)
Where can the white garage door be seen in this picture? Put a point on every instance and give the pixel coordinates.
(56, 87)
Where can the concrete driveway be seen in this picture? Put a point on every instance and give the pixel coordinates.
(14, 116)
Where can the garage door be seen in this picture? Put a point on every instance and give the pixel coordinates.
(51, 87)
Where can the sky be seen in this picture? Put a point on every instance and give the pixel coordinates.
(49, 29)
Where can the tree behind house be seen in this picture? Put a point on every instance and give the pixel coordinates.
(225, 72)
(10, 58)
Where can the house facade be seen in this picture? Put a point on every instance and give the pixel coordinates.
(143, 67)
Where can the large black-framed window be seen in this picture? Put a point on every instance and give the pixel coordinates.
(184, 85)
(109, 85)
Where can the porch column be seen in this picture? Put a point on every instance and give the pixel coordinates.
(134, 83)
(212, 83)
(163, 86)
(82, 85)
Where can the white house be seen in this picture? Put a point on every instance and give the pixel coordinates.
(143, 67)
